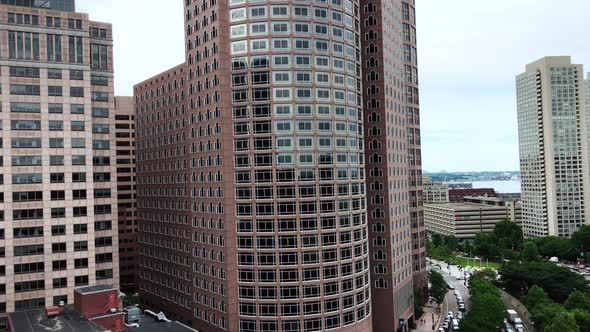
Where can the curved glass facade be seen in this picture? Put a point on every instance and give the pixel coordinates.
(299, 168)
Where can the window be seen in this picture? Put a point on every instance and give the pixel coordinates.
(56, 125)
(56, 142)
(56, 108)
(100, 96)
(77, 108)
(23, 45)
(80, 245)
(24, 72)
(76, 91)
(57, 178)
(23, 89)
(98, 57)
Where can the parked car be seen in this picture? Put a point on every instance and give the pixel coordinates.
(440, 329)
(462, 307)
(455, 325)
(450, 314)
(459, 315)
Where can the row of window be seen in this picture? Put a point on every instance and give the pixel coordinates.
(300, 110)
(299, 28)
(58, 195)
(35, 90)
(298, 44)
(56, 108)
(287, 77)
(276, 11)
(299, 61)
(286, 94)
(31, 143)
(56, 73)
(33, 178)
(76, 160)
(58, 125)
(78, 211)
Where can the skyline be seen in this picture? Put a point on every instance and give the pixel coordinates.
(469, 75)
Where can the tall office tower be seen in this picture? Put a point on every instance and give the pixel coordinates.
(553, 142)
(392, 140)
(251, 190)
(58, 208)
(126, 186)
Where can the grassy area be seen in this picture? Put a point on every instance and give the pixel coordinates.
(464, 261)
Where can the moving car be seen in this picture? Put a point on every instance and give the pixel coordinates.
(450, 314)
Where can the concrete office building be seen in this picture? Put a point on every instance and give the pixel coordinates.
(251, 169)
(58, 208)
(434, 192)
(465, 220)
(553, 142)
(126, 186)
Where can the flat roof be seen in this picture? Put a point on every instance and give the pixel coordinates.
(148, 324)
(35, 321)
(70, 320)
(93, 289)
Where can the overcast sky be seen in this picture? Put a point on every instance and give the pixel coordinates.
(469, 53)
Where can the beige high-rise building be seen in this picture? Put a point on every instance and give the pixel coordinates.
(553, 142)
(58, 207)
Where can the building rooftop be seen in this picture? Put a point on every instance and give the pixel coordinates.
(35, 321)
(72, 321)
(467, 205)
(93, 289)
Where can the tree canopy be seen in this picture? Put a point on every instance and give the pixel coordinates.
(557, 281)
(487, 309)
(438, 286)
(564, 321)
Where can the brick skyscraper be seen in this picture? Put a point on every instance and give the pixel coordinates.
(58, 207)
(394, 175)
(251, 169)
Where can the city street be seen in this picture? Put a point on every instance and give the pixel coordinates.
(452, 277)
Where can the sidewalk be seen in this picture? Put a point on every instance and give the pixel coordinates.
(429, 319)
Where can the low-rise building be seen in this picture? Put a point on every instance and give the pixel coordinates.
(466, 219)
(435, 193)
(457, 195)
(95, 309)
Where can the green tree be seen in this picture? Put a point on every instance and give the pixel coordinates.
(544, 314)
(583, 319)
(581, 238)
(509, 234)
(564, 321)
(557, 281)
(577, 300)
(438, 286)
(129, 300)
(562, 248)
(487, 310)
(530, 252)
(450, 242)
(437, 239)
(536, 296)
(486, 245)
